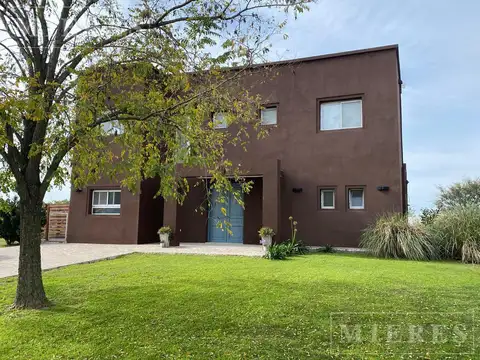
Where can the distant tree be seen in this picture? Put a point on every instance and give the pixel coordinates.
(10, 220)
(62, 63)
(461, 193)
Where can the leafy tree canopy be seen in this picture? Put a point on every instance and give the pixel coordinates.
(70, 69)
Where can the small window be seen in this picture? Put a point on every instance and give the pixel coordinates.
(327, 199)
(341, 115)
(219, 120)
(113, 127)
(269, 115)
(106, 202)
(356, 199)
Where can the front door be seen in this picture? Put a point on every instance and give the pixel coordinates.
(234, 216)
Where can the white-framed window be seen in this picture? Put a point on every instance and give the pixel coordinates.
(269, 115)
(341, 115)
(327, 198)
(113, 127)
(356, 198)
(219, 120)
(106, 202)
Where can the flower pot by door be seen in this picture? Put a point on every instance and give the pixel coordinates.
(164, 240)
(266, 242)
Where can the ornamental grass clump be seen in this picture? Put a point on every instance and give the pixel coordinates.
(456, 232)
(392, 236)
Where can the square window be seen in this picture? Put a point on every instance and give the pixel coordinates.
(356, 199)
(219, 120)
(106, 202)
(269, 115)
(327, 199)
(341, 115)
(113, 127)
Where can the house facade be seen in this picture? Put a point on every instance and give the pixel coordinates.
(333, 160)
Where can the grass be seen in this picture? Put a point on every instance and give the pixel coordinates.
(207, 307)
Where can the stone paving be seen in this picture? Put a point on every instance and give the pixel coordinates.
(56, 255)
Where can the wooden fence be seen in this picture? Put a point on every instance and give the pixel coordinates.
(57, 221)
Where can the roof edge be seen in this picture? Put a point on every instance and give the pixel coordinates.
(330, 56)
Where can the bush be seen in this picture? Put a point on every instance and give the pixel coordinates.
(328, 249)
(277, 252)
(294, 246)
(392, 236)
(456, 232)
(10, 221)
(463, 193)
(427, 216)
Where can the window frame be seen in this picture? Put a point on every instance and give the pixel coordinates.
(269, 107)
(105, 206)
(341, 100)
(224, 124)
(322, 190)
(349, 202)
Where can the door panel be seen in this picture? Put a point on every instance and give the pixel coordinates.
(234, 213)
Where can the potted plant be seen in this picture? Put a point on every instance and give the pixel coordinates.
(164, 233)
(266, 234)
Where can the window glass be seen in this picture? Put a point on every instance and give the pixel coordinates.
(106, 202)
(219, 120)
(328, 199)
(341, 115)
(356, 198)
(269, 116)
(331, 116)
(351, 114)
(113, 127)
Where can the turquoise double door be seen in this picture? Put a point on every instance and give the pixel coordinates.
(233, 215)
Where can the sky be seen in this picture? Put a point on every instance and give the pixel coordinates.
(439, 44)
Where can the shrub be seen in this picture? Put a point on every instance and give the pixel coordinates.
(10, 221)
(392, 236)
(427, 216)
(165, 230)
(266, 231)
(294, 246)
(461, 193)
(456, 232)
(328, 249)
(277, 252)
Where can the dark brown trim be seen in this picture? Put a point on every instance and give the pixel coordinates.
(331, 99)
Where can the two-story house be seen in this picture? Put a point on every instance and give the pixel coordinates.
(333, 161)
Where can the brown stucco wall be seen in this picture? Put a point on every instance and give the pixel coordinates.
(368, 157)
(298, 155)
(83, 227)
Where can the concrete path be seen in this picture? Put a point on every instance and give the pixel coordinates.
(56, 255)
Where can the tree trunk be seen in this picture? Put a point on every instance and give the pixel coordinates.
(30, 291)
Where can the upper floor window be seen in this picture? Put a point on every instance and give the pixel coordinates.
(219, 120)
(341, 115)
(106, 202)
(269, 115)
(113, 127)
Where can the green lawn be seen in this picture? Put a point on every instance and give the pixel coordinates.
(204, 307)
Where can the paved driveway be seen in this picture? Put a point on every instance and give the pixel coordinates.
(55, 255)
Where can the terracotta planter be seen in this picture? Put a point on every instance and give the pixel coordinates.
(164, 240)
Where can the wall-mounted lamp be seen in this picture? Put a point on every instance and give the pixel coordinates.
(383, 188)
(297, 190)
